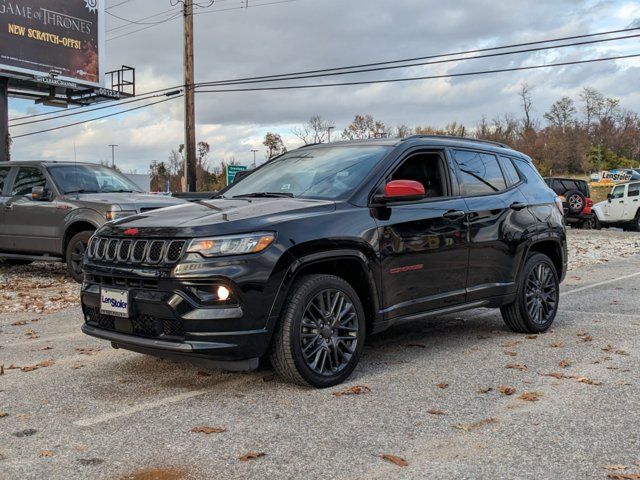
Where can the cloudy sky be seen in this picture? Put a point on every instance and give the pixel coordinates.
(298, 35)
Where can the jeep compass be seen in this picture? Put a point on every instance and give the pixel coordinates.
(301, 260)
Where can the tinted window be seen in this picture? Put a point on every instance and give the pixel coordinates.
(90, 179)
(529, 172)
(479, 173)
(511, 174)
(3, 176)
(618, 192)
(27, 179)
(634, 190)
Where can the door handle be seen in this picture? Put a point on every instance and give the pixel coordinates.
(517, 206)
(454, 214)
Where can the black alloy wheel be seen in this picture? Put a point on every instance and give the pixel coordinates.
(329, 332)
(320, 335)
(537, 297)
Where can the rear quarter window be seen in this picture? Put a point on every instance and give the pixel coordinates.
(478, 173)
(634, 190)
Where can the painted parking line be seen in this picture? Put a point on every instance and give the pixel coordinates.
(141, 407)
(599, 284)
(609, 314)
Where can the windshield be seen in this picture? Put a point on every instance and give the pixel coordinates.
(327, 173)
(90, 179)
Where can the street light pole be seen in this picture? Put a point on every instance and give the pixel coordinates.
(254, 157)
(113, 155)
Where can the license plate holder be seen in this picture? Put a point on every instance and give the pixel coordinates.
(114, 302)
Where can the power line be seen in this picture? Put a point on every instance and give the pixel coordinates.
(436, 62)
(429, 77)
(135, 22)
(96, 118)
(117, 5)
(430, 57)
(243, 8)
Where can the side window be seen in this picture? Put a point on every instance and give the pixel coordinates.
(618, 192)
(4, 172)
(634, 190)
(511, 174)
(426, 168)
(530, 173)
(479, 173)
(26, 180)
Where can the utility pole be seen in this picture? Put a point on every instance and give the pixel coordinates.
(4, 120)
(329, 130)
(254, 157)
(113, 155)
(189, 100)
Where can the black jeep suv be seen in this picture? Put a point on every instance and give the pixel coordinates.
(317, 249)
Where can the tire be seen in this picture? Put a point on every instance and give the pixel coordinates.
(75, 253)
(591, 224)
(294, 346)
(636, 222)
(575, 201)
(521, 316)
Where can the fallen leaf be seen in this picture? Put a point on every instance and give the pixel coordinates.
(208, 430)
(467, 427)
(511, 354)
(484, 389)
(516, 366)
(47, 347)
(251, 456)
(442, 385)
(46, 453)
(564, 363)
(530, 396)
(3, 414)
(507, 390)
(87, 350)
(401, 462)
(435, 411)
(556, 345)
(19, 323)
(416, 345)
(46, 363)
(532, 337)
(588, 381)
(585, 337)
(616, 467)
(624, 476)
(556, 375)
(355, 390)
(77, 366)
(203, 374)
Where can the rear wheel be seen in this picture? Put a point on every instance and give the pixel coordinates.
(592, 223)
(321, 333)
(536, 304)
(75, 254)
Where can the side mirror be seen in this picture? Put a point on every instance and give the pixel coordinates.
(40, 194)
(401, 191)
(609, 197)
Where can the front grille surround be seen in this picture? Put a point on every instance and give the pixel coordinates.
(136, 251)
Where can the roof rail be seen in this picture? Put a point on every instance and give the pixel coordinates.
(453, 137)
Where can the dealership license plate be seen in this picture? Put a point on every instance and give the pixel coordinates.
(114, 302)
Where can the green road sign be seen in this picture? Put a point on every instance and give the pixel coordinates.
(232, 170)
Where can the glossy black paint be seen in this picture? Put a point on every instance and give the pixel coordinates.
(408, 259)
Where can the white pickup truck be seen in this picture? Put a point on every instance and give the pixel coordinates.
(622, 207)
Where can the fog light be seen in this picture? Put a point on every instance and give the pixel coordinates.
(223, 293)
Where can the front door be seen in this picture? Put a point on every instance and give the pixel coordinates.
(423, 244)
(30, 226)
(614, 210)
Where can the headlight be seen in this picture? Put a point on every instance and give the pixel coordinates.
(231, 245)
(121, 214)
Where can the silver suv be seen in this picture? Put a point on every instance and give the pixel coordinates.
(49, 210)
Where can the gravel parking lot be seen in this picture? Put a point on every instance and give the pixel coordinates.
(452, 397)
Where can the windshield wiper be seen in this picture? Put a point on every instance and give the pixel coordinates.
(266, 195)
(82, 190)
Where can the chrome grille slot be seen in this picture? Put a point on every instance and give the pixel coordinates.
(91, 248)
(102, 246)
(156, 248)
(112, 249)
(139, 250)
(174, 251)
(124, 250)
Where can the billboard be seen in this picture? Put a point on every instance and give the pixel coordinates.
(59, 42)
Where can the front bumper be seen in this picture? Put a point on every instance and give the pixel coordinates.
(165, 321)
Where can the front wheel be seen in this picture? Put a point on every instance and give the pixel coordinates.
(75, 254)
(536, 304)
(321, 333)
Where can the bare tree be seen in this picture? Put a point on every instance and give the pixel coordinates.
(275, 145)
(404, 131)
(365, 126)
(527, 106)
(316, 130)
(562, 114)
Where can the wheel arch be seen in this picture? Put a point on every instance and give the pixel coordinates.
(75, 228)
(552, 248)
(350, 265)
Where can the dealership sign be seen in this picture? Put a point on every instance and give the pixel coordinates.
(57, 42)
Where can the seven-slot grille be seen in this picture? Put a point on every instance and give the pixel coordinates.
(151, 252)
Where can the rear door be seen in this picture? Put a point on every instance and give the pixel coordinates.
(30, 226)
(498, 215)
(633, 200)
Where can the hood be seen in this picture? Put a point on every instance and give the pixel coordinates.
(128, 201)
(219, 217)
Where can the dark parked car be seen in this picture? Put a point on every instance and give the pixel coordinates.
(576, 200)
(325, 245)
(49, 210)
